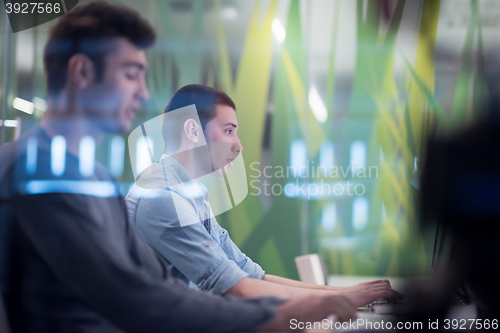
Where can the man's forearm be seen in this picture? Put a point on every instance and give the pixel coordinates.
(252, 288)
(297, 284)
(360, 294)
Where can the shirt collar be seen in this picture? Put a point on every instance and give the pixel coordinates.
(175, 169)
(179, 175)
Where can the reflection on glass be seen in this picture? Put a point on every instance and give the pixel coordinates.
(143, 148)
(328, 218)
(58, 155)
(23, 105)
(359, 213)
(325, 157)
(102, 189)
(358, 155)
(116, 156)
(31, 155)
(298, 157)
(87, 156)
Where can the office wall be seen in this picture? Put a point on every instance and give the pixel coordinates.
(335, 100)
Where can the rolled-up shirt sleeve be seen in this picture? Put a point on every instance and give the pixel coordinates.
(234, 253)
(189, 248)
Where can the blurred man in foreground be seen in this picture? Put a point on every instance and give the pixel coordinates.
(70, 260)
(461, 191)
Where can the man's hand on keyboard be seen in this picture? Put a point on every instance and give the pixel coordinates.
(364, 293)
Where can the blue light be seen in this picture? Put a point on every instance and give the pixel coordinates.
(298, 157)
(102, 189)
(358, 155)
(142, 153)
(360, 213)
(326, 154)
(87, 156)
(58, 155)
(31, 155)
(329, 217)
(116, 156)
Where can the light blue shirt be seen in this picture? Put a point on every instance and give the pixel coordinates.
(206, 259)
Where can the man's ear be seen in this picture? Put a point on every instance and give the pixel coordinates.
(81, 71)
(192, 130)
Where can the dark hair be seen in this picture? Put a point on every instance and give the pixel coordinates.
(91, 30)
(206, 99)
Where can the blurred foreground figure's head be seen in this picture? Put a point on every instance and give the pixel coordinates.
(96, 65)
(460, 189)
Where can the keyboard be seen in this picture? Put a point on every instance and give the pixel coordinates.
(381, 306)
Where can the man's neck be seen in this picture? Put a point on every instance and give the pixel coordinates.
(191, 161)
